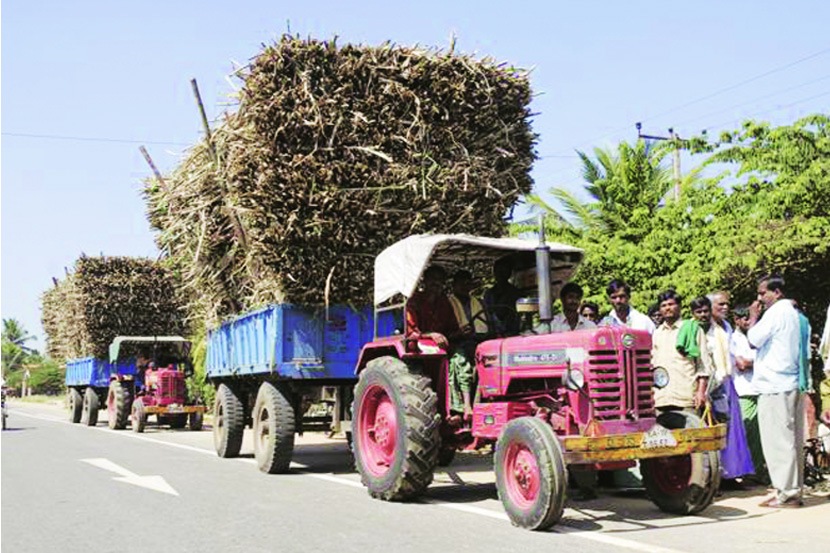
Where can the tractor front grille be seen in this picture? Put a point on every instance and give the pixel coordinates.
(172, 386)
(620, 384)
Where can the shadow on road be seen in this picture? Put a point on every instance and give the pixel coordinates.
(640, 514)
(462, 493)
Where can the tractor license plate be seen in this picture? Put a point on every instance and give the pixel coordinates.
(174, 408)
(658, 436)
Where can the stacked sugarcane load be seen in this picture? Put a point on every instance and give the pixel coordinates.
(104, 297)
(334, 153)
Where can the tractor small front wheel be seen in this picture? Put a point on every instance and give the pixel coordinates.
(530, 473)
(138, 416)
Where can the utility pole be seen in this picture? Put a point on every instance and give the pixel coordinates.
(675, 139)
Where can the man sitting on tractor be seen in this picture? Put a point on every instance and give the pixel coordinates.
(501, 298)
(429, 313)
(142, 363)
(473, 327)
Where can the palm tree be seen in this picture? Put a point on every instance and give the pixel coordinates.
(624, 187)
(14, 332)
(15, 350)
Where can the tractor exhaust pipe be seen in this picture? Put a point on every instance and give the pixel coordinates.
(543, 279)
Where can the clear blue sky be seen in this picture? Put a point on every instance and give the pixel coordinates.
(85, 82)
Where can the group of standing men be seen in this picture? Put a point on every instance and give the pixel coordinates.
(755, 371)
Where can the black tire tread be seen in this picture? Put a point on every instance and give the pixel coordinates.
(421, 420)
(276, 458)
(122, 413)
(694, 499)
(227, 437)
(195, 421)
(138, 416)
(76, 405)
(89, 412)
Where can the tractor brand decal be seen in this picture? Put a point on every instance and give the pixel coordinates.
(551, 357)
(602, 341)
(628, 340)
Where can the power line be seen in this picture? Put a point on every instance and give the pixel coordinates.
(731, 87)
(764, 97)
(740, 84)
(779, 108)
(92, 139)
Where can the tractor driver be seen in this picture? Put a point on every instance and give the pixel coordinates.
(501, 299)
(142, 363)
(429, 313)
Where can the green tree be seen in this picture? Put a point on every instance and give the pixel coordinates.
(624, 188)
(14, 349)
(766, 212)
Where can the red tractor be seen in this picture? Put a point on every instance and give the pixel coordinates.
(545, 401)
(157, 386)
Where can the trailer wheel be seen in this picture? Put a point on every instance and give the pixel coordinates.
(89, 411)
(530, 473)
(196, 421)
(682, 484)
(395, 427)
(228, 422)
(273, 429)
(118, 400)
(138, 416)
(76, 405)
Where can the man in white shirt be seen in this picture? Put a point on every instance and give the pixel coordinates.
(570, 318)
(744, 357)
(776, 336)
(622, 314)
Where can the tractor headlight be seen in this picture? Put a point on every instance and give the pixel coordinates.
(661, 377)
(574, 379)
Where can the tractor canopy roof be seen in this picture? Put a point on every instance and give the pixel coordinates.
(175, 345)
(398, 268)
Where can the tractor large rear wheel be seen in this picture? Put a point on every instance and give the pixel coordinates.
(89, 411)
(530, 473)
(76, 405)
(228, 422)
(118, 405)
(682, 484)
(395, 427)
(273, 429)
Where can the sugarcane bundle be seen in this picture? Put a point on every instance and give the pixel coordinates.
(104, 297)
(333, 154)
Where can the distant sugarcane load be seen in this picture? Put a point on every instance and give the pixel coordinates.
(333, 154)
(104, 297)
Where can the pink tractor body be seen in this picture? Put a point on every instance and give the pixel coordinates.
(160, 389)
(544, 401)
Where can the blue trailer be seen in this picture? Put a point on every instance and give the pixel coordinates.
(270, 365)
(87, 381)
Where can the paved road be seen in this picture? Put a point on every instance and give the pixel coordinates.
(71, 488)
